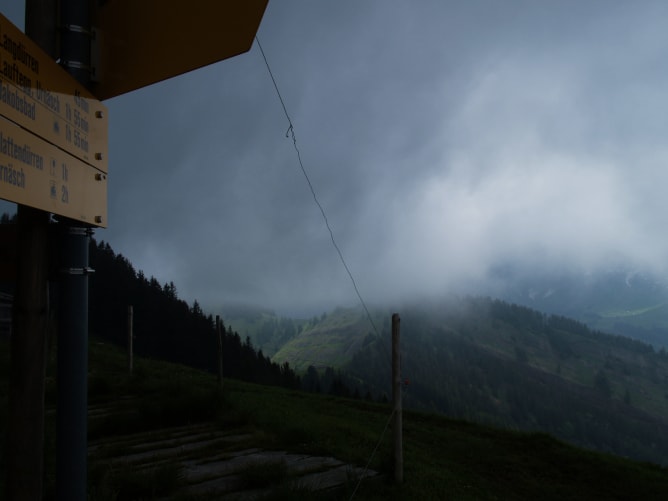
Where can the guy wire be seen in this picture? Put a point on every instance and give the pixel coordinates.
(291, 133)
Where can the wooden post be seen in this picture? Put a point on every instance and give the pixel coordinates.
(25, 420)
(25, 425)
(219, 333)
(396, 400)
(130, 339)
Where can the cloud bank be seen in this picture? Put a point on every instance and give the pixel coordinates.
(442, 139)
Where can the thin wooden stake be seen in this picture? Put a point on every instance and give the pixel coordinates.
(220, 350)
(130, 339)
(396, 400)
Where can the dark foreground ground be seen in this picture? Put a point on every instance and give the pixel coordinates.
(169, 432)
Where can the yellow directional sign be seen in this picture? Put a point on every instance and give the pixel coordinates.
(53, 134)
(38, 174)
(140, 42)
(40, 96)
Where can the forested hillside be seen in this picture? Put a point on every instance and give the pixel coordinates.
(165, 327)
(488, 361)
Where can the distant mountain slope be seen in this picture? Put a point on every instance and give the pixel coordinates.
(266, 330)
(620, 301)
(490, 361)
(329, 340)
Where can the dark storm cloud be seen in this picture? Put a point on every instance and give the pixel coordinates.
(442, 138)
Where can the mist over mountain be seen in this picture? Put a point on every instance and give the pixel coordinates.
(486, 360)
(619, 299)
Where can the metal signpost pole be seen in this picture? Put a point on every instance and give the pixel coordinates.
(71, 423)
(71, 426)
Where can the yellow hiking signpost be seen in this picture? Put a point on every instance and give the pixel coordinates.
(36, 173)
(53, 158)
(53, 134)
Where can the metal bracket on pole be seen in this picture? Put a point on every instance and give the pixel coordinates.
(77, 271)
(78, 65)
(77, 29)
(95, 56)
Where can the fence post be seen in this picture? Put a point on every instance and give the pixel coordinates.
(396, 400)
(220, 350)
(130, 339)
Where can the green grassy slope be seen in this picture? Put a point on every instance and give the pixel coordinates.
(496, 363)
(266, 330)
(648, 323)
(632, 370)
(330, 340)
(444, 459)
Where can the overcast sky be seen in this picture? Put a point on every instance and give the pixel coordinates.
(442, 138)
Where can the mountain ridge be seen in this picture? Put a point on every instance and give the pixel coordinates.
(486, 360)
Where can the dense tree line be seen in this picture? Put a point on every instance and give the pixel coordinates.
(166, 327)
(335, 382)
